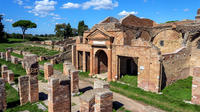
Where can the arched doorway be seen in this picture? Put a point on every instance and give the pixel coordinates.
(101, 62)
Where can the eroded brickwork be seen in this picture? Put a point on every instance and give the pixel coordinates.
(74, 81)
(48, 70)
(8, 56)
(4, 68)
(23, 85)
(101, 84)
(66, 68)
(3, 104)
(11, 76)
(59, 96)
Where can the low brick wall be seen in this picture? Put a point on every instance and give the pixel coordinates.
(3, 104)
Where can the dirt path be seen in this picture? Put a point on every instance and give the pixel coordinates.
(118, 100)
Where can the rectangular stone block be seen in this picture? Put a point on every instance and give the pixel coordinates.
(74, 81)
(11, 76)
(23, 84)
(3, 55)
(101, 84)
(14, 60)
(48, 70)
(8, 56)
(66, 69)
(59, 97)
(4, 75)
(33, 89)
(3, 104)
(4, 68)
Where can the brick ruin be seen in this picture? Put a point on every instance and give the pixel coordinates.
(74, 77)
(158, 54)
(66, 68)
(48, 70)
(2, 95)
(101, 84)
(59, 95)
(8, 56)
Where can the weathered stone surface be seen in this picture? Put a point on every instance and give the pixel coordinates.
(31, 64)
(8, 56)
(14, 60)
(59, 97)
(48, 70)
(66, 68)
(74, 81)
(33, 89)
(23, 85)
(4, 68)
(3, 104)
(11, 76)
(4, 75)
(101, 84)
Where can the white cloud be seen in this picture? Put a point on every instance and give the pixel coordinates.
(124, 13)
(57, 18)
(19, 2)
(95, 4)
(186, 10)
(43, 8)
(9, 20)
(70, 5)
(27, 7)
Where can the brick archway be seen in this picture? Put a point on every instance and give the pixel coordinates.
(101, 62)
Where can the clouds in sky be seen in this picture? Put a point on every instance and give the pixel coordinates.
(186, 10)
(19, 2)
(124, 13)
(95, 4)
(9, 20)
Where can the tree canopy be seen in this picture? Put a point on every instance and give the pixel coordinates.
(81, 28)
(24, 25)
(63, 30)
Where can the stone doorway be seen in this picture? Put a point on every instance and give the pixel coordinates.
(101, 62)
(128, 66)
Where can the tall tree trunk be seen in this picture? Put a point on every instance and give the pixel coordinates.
(23, 31)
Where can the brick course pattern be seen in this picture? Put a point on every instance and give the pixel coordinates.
(196, 86)
(3, 104)
(4, 68)
(23, 89)
(74, 81)
(48, 70)
(59, 97)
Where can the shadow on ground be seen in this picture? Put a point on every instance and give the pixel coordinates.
(117, 105)
(43, 96)
(83, 90)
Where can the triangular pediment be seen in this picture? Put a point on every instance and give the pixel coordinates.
(98, 34)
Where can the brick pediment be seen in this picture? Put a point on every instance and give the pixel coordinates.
(98, 34)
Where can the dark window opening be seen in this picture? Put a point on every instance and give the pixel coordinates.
(198, 44)
(162, 43)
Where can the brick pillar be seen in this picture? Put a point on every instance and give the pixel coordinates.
(77, 60)
(75, 82)
(87, 102)
(74, 55)
(11, 76)
(59, 95)
(48, 70)
(33, 89)
(66, 69)
(109, 64)
(3, 104)
(31, 64)
(4, 68)
(23, 84)
(8, 56)
(3, 55)
(84, 61)
(103, 101)
(4, 75)
(91, 62)
(196, 86)
(14, 60)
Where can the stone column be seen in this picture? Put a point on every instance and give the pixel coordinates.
(196, 86)
(4, 75)
(23, 89)
(3, 104)
(8, 56)
(91, 62)
(74, 55)
(75, 82)
(66, 69)
(84, 61)
(109, 64)
(48, 70)
(11, 76)
(77, 60)
(4, 68)
(59, 95)
(103, 101)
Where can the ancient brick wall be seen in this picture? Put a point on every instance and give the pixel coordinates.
(4, 75)
(8, 56)
(3, 104)
(23, 85)
(11, 76)
(3, 55)
(176, 66)
(48, 70)
(74, 81)
(66, 68)
(59, 97)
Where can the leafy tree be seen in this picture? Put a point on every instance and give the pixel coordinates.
(24, 25)
(74, 32)
(81, 28)
(1, 28)
(63, 30)
(68, 31)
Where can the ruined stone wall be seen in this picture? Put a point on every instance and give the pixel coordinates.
(176, 65)
(3, 104)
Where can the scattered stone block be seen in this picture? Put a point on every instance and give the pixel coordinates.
(101, 84)
(31, 64)
(14, 60)
(33, 89)
(74, 82)
(4, 75)
(3, 104)
(8, 56)
(66, 69)
(11, 76)
(48, 70)
(59, 98)
(23, 89)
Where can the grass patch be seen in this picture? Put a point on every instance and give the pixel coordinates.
(165, 101)
(42, 62)
(84, 74)
(3, 46)
(58, 67)
(132, 80)
(41, 76)
(16, 55)
(12, 94)
(15, 40)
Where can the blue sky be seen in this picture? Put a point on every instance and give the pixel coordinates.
(47, 13)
